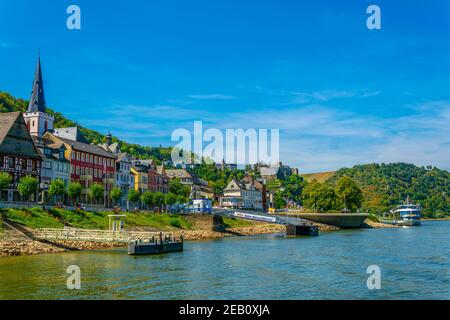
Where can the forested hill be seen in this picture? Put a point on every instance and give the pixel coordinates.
(10, 104)
(386, 185)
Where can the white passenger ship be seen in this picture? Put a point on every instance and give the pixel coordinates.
(407, 214)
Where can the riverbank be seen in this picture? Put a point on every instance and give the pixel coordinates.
(15, 246)
(378, 225)
(15, 242)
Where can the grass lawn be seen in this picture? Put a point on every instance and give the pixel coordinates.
(56, 218)
(236, 223)
(158, 221)
(32, 217)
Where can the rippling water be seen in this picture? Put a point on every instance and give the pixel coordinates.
(414, 264)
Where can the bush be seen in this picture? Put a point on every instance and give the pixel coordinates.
(5, 180)
(175, 223)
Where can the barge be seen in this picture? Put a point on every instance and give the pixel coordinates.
(157, 245)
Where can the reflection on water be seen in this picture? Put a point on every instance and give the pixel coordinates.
(414, 264)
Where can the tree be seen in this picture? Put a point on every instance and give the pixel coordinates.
(158, 198)
(349, 194)
(28, 186)
(319, 196)
(57, 189)
(181, 199)
(278, 200)
(96, 192)
(5, 181)
(176, 187)
(293, 187)
(133, 196)
(170, 198)
(148, 199)
(116, 194)
(74, 190)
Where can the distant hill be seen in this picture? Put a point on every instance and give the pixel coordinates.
(387, 185)
(320, 176)
(9, 103)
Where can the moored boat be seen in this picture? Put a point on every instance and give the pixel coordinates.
(165, 244)
(406, 214)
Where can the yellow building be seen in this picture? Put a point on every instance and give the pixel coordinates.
(140, 178)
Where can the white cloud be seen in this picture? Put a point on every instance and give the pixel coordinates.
(328, 95)
(212, 97)
(313, 137)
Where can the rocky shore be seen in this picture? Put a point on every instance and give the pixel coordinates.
(13, 246)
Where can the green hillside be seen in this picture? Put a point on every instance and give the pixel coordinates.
(10, 104)
(386, 185)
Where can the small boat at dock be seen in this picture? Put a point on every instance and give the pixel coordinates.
(156, 245)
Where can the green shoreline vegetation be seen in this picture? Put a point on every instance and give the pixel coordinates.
(36, 217)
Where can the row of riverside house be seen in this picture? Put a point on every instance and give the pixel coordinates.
(30, 145)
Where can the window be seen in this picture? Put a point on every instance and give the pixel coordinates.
(78, 156)
(29, 165)
(83, 157)
(47, 165)
(92, 159)
(73, 155)
(18, 164)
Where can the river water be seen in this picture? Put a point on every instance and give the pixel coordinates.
(414, 264)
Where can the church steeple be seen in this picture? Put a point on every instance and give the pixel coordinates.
(37, 100)
(37, 120)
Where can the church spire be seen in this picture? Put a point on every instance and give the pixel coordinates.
(37, 100)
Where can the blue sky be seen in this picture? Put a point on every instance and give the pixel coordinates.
(339, 93)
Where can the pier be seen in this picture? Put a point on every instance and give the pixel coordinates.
(294, 226)
(158, 245)
(74, 234)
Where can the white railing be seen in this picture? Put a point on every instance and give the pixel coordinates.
(94, 235)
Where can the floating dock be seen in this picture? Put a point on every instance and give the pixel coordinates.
(157, 245)
(306, 230)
